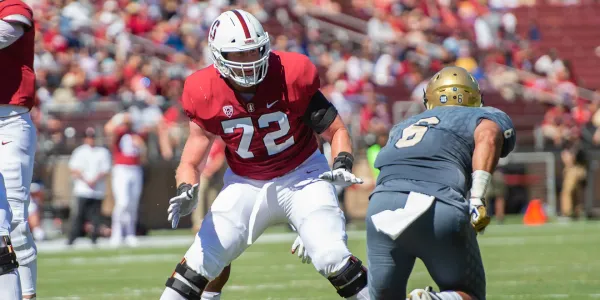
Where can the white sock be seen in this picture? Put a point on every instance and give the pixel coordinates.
(362, 295)
(211, 296)
(10, 286)
(170, 294)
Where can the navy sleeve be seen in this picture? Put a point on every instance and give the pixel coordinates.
(507, 127)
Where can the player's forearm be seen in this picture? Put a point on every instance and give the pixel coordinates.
(488, 146)
(338, 137)
(187, 173)
(340, 142)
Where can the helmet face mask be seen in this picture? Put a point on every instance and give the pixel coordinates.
(239, 32)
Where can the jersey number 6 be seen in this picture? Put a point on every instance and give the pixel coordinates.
(414, 133)
(263, 122)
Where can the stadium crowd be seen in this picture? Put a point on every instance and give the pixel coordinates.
(135, 55)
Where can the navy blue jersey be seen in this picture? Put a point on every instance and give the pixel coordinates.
(434, 150)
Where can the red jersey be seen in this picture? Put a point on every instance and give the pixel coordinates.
(264, 136)
(17, 76)
(125, 151)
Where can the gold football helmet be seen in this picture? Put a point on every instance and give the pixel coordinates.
(452, 86)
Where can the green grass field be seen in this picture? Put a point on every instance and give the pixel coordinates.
(554, 261)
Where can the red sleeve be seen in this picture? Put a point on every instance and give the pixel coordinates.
(307, 83)
(309, 79)
(120, 131)
(9, 8)
(190, 102)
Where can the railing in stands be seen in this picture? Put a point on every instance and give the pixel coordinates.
(582, 93)
(352, 22)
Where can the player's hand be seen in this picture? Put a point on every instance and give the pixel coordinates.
(298, 246)
(479, 216)
(182, 204)
(341, 177)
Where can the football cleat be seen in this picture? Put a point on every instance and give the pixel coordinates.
(422, 294)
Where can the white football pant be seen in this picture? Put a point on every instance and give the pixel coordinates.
(245, 208)
(127, 183)
(10, 286)
(18, 142)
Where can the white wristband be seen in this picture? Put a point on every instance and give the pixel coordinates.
(479, 183)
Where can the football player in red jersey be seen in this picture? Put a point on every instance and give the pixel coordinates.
(266, 106)
(18, 144)
(128, 148)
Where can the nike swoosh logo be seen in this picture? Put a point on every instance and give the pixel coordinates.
(271, 104)
(4, 143)
(308, 172)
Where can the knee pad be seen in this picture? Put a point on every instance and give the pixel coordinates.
(351, 279)
(23, 242)
(191, 286)
(324, 236)
(8, 258)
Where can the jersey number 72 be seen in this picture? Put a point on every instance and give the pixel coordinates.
(414, 133)
(269, 139)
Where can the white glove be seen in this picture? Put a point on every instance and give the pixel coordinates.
(340, 177)
(479, 217)
(182, 205)
(298, 246)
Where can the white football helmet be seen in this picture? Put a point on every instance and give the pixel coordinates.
(237, 31)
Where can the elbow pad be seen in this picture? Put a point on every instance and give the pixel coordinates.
(320, 113)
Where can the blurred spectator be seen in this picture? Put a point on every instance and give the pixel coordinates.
(36, 211)
(89, 165)
(373, 151)
(496, 192)
(379, 29)
(557, 125)
(534, 33)
(374, 114)
(574, 177)
(128, 148)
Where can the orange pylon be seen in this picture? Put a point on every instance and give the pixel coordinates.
(535, 214)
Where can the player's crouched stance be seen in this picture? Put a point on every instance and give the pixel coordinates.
(266, 106)
(425, 204)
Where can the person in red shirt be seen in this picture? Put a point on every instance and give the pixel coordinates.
(127, 148)
(266, 106)
(18, 144)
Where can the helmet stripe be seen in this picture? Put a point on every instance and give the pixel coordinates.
(243, 22)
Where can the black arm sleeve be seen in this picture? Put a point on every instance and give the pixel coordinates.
(320, 113)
